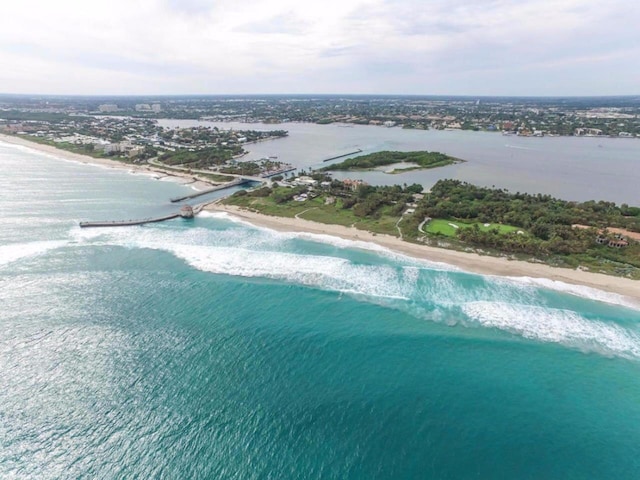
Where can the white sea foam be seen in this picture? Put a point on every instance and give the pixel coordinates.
(518, 307)
(329, 273)
(17, 251)
(243, 253)
(335, 241)
(557, 326)
(252, 252)
(577, 290)
(257, 253)
(224, 215)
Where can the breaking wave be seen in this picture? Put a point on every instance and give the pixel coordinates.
(17, 251)
(556, 326)
(520, 307)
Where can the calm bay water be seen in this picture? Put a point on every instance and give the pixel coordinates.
(213, 349)
(570, 168)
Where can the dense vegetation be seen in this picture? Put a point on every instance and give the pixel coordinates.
(422, 159)
(546, 224)
(460, 215)
(200, 158)
(31, 116)
(541, 213)
(376, 209)
(251, 168)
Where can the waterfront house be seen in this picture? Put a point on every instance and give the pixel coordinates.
(353, 184)
(618, 241)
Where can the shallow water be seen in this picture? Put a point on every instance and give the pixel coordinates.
(213, 349)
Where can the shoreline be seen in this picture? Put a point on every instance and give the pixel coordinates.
(466, 261)
(352, 125)
(182, 178)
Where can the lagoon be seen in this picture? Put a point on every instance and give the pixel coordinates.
(572, 168)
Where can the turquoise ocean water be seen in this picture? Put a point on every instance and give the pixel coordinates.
(213, 349)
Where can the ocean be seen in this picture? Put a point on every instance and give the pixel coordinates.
(214, 349)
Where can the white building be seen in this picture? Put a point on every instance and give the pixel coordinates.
(111, 148)
(135, 151)
(305, 180)
(108, 107)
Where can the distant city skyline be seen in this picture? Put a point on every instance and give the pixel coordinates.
(412, 47)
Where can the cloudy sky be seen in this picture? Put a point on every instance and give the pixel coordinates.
(457, 47)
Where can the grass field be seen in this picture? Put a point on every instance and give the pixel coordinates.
(446, 227)
(317, 211)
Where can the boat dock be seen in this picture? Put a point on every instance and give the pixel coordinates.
(343, 155)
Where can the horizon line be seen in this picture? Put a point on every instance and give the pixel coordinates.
(417, 95)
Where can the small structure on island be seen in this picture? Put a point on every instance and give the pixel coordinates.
(186, 211)
(618, 241)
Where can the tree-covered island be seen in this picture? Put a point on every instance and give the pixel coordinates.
(417, 161)
(597, 236)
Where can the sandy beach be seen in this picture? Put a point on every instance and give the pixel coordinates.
(470, 262)
(179, 177)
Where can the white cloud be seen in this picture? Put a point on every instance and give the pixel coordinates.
(358, 46)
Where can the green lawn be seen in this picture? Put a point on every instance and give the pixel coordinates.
(317, 211)
(445, 227)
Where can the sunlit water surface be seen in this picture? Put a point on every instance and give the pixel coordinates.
(213, 349)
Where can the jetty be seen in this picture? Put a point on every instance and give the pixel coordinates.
(234, 183)
(129, 223)
(343, 155)
(187, 211)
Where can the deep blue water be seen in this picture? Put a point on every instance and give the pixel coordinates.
(213, 349)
